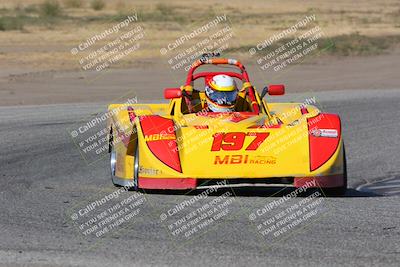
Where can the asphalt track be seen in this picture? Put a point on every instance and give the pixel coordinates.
(44, 180)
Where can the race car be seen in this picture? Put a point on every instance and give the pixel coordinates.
(184, 145)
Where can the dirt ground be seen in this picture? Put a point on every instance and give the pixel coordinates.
(37, 65)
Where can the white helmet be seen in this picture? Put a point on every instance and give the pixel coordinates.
(221, 93)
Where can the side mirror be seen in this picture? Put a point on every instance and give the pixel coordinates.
(273, 89)
(171, 93)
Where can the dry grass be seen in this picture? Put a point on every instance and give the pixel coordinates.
(43, 35)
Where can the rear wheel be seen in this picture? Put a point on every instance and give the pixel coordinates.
(339, 191)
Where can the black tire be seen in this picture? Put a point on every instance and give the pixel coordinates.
(339, 191)
(136, 169)
(113, 159)
(113, 162)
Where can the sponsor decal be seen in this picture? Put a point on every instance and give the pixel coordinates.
(332, 133)
(244, 159)
(149, 171)
(158, 137)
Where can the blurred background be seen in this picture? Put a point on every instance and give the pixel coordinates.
(359, 48)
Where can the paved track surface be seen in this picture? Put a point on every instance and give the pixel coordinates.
(44, 180)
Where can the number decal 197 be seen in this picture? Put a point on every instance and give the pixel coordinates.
(235, 141)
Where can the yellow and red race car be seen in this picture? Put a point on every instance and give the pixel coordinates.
(183, 145)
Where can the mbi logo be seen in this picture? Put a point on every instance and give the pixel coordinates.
(231, 159)
(158, 137)
(244, 159)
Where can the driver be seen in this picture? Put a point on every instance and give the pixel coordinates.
(221, 93)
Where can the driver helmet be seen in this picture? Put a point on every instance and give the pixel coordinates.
(221, 93)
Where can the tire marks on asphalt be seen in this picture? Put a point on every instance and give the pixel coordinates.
(388, 187)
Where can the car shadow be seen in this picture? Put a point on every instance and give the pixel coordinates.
(262, 192)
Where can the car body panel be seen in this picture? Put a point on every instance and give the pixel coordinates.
(280, 140)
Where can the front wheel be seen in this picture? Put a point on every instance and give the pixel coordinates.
(118, 182)
(113, 163)
(136, 170)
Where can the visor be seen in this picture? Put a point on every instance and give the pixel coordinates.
(221, 98)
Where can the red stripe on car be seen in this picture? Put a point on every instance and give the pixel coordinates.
(319, 181)
(161, 140)
(167, 183)
(322, 148)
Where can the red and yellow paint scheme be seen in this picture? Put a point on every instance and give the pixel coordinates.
(183, 145)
